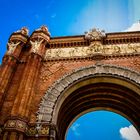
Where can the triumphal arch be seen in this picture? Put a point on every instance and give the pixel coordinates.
(48, 82)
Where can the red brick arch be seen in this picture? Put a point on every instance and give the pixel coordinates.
(96, 87)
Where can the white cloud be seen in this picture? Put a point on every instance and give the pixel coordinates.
(74, 128)
(134, 27)
(129, 133)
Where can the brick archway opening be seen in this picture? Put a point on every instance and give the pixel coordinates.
(104, 87)
(98, 95)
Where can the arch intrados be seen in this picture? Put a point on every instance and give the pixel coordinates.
(119, 110)
(92, 80)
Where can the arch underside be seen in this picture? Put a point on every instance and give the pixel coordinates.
(97, 87)
(98, 96)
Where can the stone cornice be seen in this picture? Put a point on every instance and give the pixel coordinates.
(41, 35)
(19, 37)
(110, 38)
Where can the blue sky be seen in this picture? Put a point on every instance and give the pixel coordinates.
(66, 17)
(73, 17)
(98, 125)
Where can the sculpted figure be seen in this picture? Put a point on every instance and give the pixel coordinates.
(12, 46)
(35, 45)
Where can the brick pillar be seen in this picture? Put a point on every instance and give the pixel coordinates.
(15, 44)
(25, 92)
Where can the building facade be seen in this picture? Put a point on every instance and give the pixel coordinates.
(48, 82)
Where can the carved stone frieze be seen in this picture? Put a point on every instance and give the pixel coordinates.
(70, 78)
(42, 131)
(16, 125)
(31, 131)
(21, 126)
(94, 48)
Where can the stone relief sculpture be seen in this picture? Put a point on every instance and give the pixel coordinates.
(12, 46)
(131, 49)
(35, 45)
(94, 34)
(91, 50)
(48, 53)
(59, 53)
(116, 49)
(97, 48)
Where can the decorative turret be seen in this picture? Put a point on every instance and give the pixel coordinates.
(16, 41)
